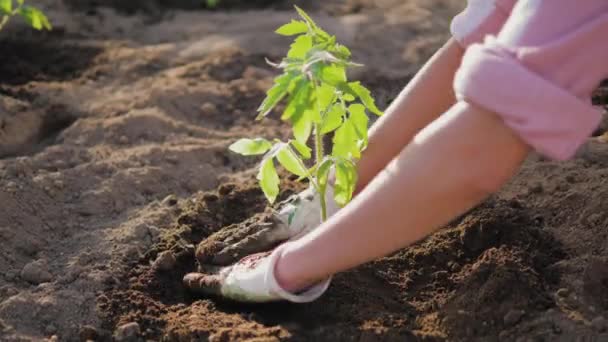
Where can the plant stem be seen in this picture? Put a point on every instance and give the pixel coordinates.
(318, 158)
(3, 21)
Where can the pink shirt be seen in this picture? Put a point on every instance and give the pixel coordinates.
(535, 63)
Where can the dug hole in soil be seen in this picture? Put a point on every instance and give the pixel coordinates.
(114, 165)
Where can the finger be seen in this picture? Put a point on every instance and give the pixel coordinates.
(208, 284)
(262, 241)
(226, 236)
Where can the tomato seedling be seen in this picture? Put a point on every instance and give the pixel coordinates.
(33, 16)
(319, 100)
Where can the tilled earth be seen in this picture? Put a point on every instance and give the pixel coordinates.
(113, 165)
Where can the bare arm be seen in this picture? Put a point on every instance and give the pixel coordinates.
(428, 95)
(449, 167)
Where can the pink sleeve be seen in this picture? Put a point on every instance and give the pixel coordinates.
(480, 18)
(539, 72)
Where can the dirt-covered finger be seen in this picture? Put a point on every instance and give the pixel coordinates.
(262, 241)
(268, 229)
(209, 284)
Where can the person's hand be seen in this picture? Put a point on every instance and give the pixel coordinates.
(295, 217)
(250, 280)
(250, 277)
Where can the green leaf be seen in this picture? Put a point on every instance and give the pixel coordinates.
(325, 95)
(269, 179)
(332, 74)
(300, 47)
(346, 180)
(293, 28)
(322, 173)
(360, 121)
(299, 100)
(332, 119)
(291, 161)
(345, 141)
(304, 150)
(348, 97)
(276, 93)
(306, 17)
(35, 18)
(365, 95)
(6, 6)
(212, 3)
(342, 51)
(251, 147)
(302, 126)
(313, 26)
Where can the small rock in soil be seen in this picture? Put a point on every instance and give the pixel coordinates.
(599, 323)
(127, 332)
(208, 108)
(165, 261)
(88, 333)
(512, 317)
(563, 292)
(50, 329)
(36, 273)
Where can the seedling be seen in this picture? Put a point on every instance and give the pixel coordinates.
(319, 100)
(33, 16)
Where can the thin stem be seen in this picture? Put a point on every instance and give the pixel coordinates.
(319, 154)
(3, 21)
(319, 157)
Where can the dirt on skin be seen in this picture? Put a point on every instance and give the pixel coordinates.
(114, 165)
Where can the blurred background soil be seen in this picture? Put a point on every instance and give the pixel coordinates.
(114, 130)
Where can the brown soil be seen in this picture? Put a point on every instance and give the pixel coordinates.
(113, 150)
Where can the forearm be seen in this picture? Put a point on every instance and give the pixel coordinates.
(449, 167)
(428, 95)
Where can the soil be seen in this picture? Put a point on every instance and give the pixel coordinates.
(113, 165)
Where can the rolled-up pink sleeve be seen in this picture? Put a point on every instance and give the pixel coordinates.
(479, 19)
(539, 72)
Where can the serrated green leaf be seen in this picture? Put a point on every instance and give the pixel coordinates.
(30, 16)
(345, 141)
(332, 119)
(332, 74)
(342, 51)
(269, 179)
(303, 149)
(291, 161)
(251, 147)
(6, 6)
(302, 126)
(306, 17)
(276, 93)
(299, 100)
(315, 28)
(360, 121)
(293, 28)
(348, 97)
(325, 95)
(365, 96)
(300, 47)
(45, 22)
(35, 18)
(346, 180)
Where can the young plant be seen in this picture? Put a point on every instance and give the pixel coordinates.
(319, 100)
(33, 16)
